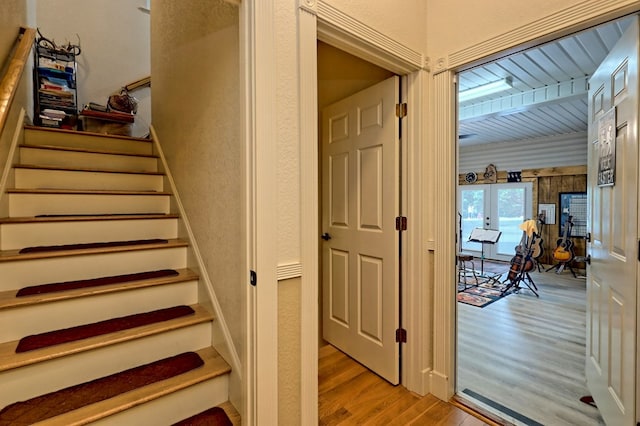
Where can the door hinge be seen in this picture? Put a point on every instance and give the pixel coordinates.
(401, 110)
(253, 278)
(401, 223)
(401, 335)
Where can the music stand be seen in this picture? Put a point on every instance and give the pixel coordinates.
(484, 236)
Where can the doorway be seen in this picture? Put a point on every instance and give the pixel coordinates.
(358, 205)
(525, 322)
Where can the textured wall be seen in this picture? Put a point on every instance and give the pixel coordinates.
(289, 352)
(288, 133)
(114, 37)
(13, 15)
(195, 66)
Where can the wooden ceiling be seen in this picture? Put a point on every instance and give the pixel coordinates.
(549, 93)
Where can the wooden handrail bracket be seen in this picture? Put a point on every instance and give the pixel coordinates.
(11, 79)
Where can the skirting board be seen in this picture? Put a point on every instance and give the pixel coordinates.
(439, 385)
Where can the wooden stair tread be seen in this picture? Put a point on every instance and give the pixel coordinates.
(91, 170)
(84, 191)
(231, 411)
(12, 255)
(9, 359)
(8, 299)
(76, 132)
(78, 218)
(87, 150)
(213, 367)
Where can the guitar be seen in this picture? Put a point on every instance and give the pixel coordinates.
(522, 261)
(537, 249)
(564, 250)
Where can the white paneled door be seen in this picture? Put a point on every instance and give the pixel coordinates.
(360, 203)
(613, 223)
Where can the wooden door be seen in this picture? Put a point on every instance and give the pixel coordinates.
(360, 202)
(613, 224)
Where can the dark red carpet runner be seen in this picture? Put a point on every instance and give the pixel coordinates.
(57, 337)
(94, 282)
(42, 249)
(56, 403)
(212, 417)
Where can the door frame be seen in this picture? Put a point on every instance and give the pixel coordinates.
(575, 18)
(429, 363)
(320, 21)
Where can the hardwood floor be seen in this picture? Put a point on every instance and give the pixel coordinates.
(349, 394)
(528, 353)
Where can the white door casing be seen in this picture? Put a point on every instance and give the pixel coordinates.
(613, 224)
(360, 202)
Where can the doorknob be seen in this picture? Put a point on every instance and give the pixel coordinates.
(587, 259)
(326, 236)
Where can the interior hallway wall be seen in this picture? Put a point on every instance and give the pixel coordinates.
(195, 66)
(115, 41)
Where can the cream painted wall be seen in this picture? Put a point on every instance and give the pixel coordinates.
(289, 352)
(13, 15)
(114, 37)
(403, 21)
(195, 66)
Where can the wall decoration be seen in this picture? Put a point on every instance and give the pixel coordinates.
(471, 177)
(514, 176)
(549, 211)
(490, 174)
(574, 204)
(607, 148)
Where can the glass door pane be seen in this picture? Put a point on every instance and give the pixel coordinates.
(472, 208)
(510, 212)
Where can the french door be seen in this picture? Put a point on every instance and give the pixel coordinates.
(500, 206)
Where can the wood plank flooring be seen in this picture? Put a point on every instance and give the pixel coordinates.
(349, 394)
(528, 353)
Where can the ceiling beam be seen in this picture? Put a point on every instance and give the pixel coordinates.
(523, 101)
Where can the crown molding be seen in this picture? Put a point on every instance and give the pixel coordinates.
(573, 18)
(346, 33)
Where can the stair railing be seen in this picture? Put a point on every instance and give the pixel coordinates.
(13, 71)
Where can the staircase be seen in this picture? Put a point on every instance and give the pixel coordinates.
(68, 191)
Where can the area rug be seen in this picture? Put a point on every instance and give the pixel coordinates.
(94, 282)
(480, 295)
(56, 403)
(215, 416)
(38, 341)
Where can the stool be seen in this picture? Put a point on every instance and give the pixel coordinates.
(464, 270)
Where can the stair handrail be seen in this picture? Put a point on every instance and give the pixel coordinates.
(13, 73)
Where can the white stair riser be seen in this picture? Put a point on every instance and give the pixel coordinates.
(34, 319)
(65, 179)
(68, 204)
(50, 157)
(14, 236)
(17, 274)
(91, 142)
(48, 376)
(173, 407)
